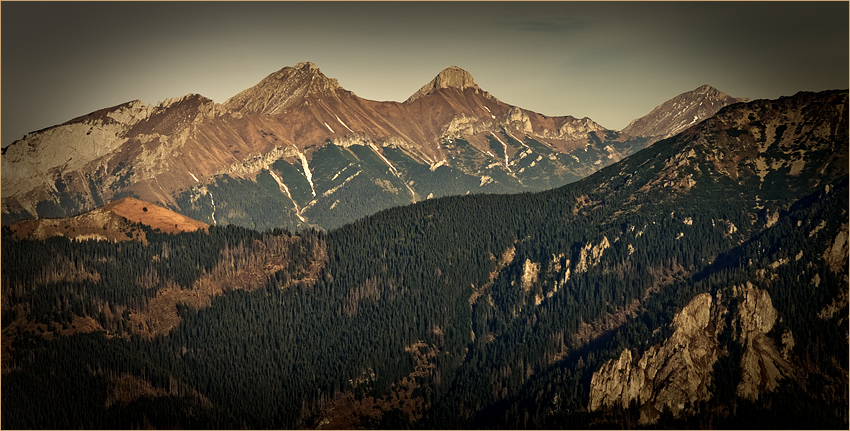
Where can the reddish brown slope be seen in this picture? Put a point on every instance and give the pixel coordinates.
(154, 216)
(112, 222)
(157, 152)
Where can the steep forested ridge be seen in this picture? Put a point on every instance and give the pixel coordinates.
(471, 311)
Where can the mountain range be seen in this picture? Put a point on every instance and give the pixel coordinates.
(699, 282)
(297, 150)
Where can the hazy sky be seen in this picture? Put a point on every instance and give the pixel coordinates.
(609, 61)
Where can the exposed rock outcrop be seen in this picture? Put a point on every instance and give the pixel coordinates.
(462, 126)
(530, 272)
(762, 366)
(518, 119)
(590, 255)
(680, 371)
(450, 77)
(31, 164)
(668, 375)
(836, 255)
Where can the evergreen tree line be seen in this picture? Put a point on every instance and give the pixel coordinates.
(274, 357)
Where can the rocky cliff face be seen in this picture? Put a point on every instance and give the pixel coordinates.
(762, 366)
(668, 375)
(451, 77)
(31, 164)
(679, 372)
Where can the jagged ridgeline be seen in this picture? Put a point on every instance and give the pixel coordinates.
(297, 150)
(701, 282)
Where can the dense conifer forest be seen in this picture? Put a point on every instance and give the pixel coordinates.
(480, 311)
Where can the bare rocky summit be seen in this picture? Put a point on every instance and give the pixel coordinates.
(278, 91)
(450, 77)
(679, 113)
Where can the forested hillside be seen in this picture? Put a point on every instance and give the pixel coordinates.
(726, 244)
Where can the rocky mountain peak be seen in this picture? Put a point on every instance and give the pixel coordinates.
(453, 77)
(708, 92)
(679, 113)
(191, 97)
(309, 65)
(450, 77)
(705, 89)
(284, 88)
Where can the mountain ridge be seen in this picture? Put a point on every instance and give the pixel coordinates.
(686, 273)
(450, 77)
(680, 112)
(277, 91)
(299, 129)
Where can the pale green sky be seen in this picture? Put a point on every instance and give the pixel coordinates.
(609, 61)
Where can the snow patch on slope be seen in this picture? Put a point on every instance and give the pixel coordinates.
(331, 191)
(505, 146)
(340, 172)
(212, 201)
(306, 167)
(515, 139)
(394, 171)
(343, 124)
(285, 190)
